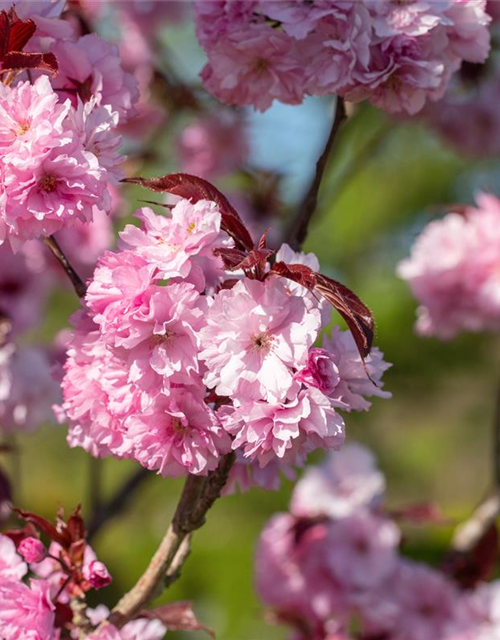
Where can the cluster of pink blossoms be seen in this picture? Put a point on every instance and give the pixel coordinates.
(178, 360)
(472, 97)
(331, 568)
(396, 54)
(58, 133)
(454, 271)
(38, 583)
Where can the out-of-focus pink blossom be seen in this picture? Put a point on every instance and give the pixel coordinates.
(453, 271)
(346, 482)
(28, 389)
(213, 146)
(397, 55)
(12, 567)
(90, 67)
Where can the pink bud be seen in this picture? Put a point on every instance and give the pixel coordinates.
(32, 550)
(97, 574)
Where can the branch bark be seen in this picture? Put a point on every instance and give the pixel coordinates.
(297, 231)
(198, 495)
(76, 281)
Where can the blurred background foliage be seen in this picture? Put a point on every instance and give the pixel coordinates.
(385, 182)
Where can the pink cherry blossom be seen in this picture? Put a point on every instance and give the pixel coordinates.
(346, 482)
(257, 359)
(362, 550)
(91, 67)
(12, 567)
(453, 271)
(26, 612)
(287, 430)
(254, 66)
(213, 146)
(355, 385)
(321, 372)
(181, 433)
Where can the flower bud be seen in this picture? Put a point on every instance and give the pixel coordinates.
(97, 574)
(32, 550)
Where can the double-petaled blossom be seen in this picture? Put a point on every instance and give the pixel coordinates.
(453, 271)
(177, 361)
(396, 54)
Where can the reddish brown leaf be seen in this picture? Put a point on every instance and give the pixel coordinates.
(420, 513)
(17, 535)
(42, 525)
(76, 526)
(235, 259)
(19, 61)
(358, 317)
(469, 568)
(195, 189)
(356, 314)
(20, 33)
(14, 33)
(177, 616)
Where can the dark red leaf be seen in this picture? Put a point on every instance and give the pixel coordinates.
(177, 616)
(420, 513)
(63, 615)
(356, 314)
(471, 567)
(18, 535)
(76, 526)
(195, 189)
(358, 317)
(235, 259)
(42, 525)
(21, 32)
(14, 33)
(19, 61)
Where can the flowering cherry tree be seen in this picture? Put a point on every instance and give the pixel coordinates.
(203, 345)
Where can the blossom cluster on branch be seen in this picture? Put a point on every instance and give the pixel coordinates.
(332, 567)
(396, 54)
(190, 347)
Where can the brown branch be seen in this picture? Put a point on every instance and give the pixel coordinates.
(297, 231)
(76, 281)
(197, 497)
(117, 503)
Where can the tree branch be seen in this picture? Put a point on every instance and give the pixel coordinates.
(76, 281)
(297, 231)
(198, 495)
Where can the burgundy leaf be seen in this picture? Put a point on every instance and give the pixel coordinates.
(20, 33)
(297, 272)
(42, 525)
(358, 317)
(419, 513)
(177, 616)
(235, 259)
(14, 33)
(19, 61)
(471, 567)
(356, 314)
(18, 535)
(76, 526)
(195, 189)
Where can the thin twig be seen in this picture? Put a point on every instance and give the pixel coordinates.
(297, 231)
(76, 281)
(117, 502)
(198, 495)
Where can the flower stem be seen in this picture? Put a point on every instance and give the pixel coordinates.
(76, 281)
